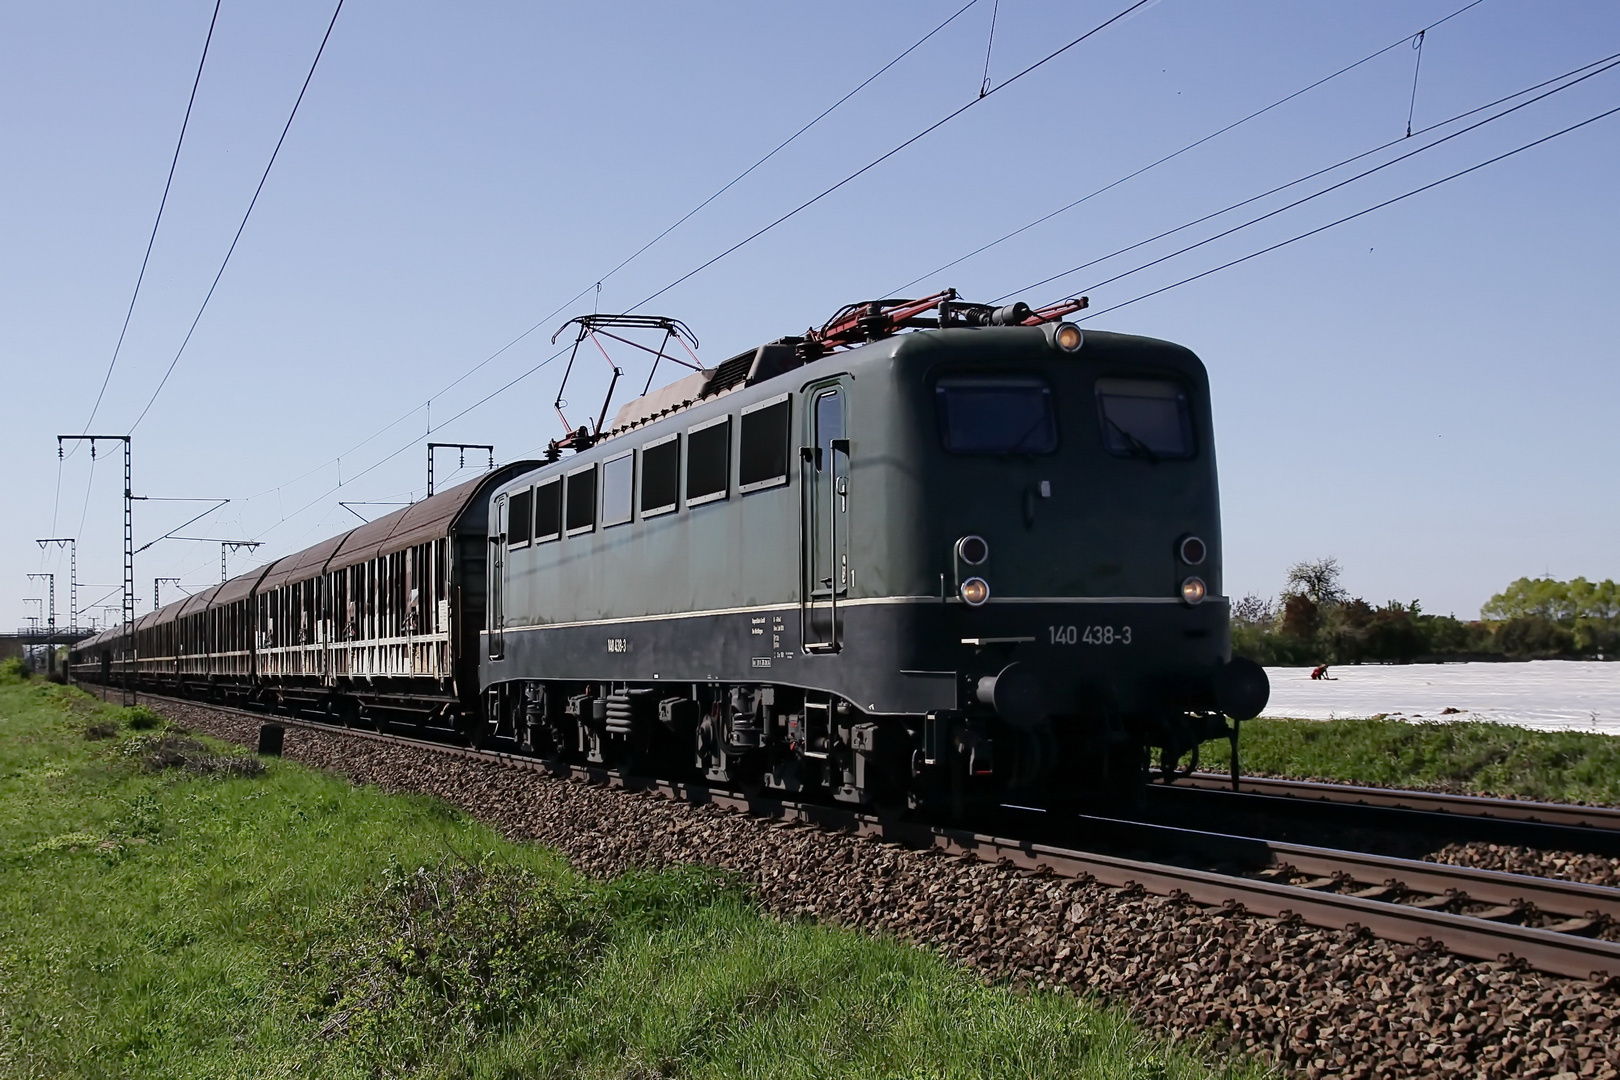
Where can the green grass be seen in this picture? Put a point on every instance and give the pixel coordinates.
(1472, 757)
(194, 922)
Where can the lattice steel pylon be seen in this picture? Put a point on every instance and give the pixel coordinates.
(129, 552)
(73, 575)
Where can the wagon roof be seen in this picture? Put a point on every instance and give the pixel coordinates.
(197, 602)
(302, 564)
(241, 586)
(415, 524)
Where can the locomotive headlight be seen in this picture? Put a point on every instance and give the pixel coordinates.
(1192, 551)
(975, 591)
(1068, 337)
(1193, 591)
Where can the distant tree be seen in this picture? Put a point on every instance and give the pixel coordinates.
(1254, 610)
(1534, 635)
(1301, 617)
(1318, 581)
(1557, 601)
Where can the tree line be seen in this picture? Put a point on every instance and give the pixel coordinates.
(1315, 621)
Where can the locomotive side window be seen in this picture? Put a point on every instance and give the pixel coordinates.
(580, 502)
(548, 510)
(618, 479)
(762, 450)
(996, 414)
(1146, 418)
(660, 476)
(708, 461)
(521, 519)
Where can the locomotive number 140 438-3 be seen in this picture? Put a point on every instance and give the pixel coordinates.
(1088, 635)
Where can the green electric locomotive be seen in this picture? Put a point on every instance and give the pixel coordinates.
(932, 552)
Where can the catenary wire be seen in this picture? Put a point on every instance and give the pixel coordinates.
(1351, 217)
(889, 154)
(1607, 65)
(546, 319)
(1172, 156)
(251, 204)
(163, 202)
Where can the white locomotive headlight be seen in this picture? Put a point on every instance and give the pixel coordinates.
(975, 591)
(1068, 337)
(1193, 591)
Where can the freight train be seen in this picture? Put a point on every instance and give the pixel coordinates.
(929, 553)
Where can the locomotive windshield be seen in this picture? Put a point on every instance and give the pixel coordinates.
(996, 414)
(1145, 418)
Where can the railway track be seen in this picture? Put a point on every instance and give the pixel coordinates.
(1396, 813)
(1474, 913)
(1474, 806)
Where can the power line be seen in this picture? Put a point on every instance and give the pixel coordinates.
(546, 319)
(251, 204)
(1357, 214)
(1171, 156)
(1608, 64)
(791, 138)
(163, 202)
(886, 156)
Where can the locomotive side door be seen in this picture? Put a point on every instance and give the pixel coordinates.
(497, 582)
(824, 524)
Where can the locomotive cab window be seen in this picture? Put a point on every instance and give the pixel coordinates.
(518, 526)
(996, 414)
(708, 461)
(1146, 418)
(580, 501)
(762, 450)
(548, 510)
(618, 479)
(660, 476)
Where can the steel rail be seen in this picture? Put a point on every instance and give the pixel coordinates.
(1388, 815)
(1465, 935)
(1511, 895)
(1566, 814)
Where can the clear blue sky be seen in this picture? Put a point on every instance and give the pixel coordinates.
(1427, 393)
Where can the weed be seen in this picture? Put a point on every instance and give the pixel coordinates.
(447, 952)
(101, 730)
(1472, 758)
(140, 718)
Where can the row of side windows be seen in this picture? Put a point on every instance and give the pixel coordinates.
(615, 491)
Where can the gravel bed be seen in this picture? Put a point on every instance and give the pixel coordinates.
(1319, 1002)
(1512, 859)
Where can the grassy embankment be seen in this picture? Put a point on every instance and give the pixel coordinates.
(1473, 758)
(169, 909)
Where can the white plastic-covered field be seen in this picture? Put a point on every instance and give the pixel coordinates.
(1553, 695)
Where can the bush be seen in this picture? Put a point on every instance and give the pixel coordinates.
(13, 671)
(445, 953)
(1534, 635)
(140, 718)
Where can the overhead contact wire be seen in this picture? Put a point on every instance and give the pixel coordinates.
(1172, 156)
(163, 202)
(251, 204)
(640, 251)
(863, 170)
(1607, 65)
(1357, 214)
